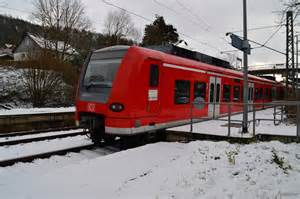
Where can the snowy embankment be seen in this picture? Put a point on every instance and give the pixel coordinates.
(30, 111)
(32, 148)
(200, 169)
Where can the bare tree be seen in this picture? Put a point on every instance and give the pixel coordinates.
(118, 24)
(59, 19)
(45, 82)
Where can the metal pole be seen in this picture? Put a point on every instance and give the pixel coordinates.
(298, 122)
(245, 113)
(229, 118)
(191, 127)
(254, 120)
(274, 115)
(297, 62)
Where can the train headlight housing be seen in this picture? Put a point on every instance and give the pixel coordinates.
(116, 107)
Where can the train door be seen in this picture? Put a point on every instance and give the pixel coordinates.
(214, 96)
(250, 95)
(153, 101)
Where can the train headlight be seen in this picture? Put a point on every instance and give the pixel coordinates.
(116, 107)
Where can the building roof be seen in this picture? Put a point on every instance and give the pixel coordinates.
(51, 45)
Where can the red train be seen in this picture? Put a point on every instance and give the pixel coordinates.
(131, 90)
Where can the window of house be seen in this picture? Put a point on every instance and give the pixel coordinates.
(236, 93)
(182, 92)
(226, 93)
(154, 75)
(200, 90)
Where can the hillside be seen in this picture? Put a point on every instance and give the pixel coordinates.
(13, 28)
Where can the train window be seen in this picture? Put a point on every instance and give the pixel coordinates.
(256, 94)
(236, 93)
(226, 93)
(251, 92)
(261, 93)
(182, 92)
(212, 92)
(200, 90)
(218, 93)
(266, 93)
(154, 75)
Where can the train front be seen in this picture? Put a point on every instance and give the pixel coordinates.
(93, 102)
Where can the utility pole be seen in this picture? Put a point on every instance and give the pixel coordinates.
(289, 50)
(244, 46)
(245, 55)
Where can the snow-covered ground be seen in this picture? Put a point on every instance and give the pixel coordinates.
(14, 151)
(3, 139)
(200, 169)
(217, 127)
(25, 111)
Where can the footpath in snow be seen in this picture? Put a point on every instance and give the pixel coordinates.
(200, 169)
(217, 127)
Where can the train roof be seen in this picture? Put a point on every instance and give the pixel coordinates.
(173, 59)
(176, 60)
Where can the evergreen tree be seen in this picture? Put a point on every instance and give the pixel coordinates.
(159, 33)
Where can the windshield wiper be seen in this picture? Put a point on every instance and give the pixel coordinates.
(99, 84)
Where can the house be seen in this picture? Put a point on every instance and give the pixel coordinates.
(6, 52)
(32, 44)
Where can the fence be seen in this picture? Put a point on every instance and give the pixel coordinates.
(283, 111)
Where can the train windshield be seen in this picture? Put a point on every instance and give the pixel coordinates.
(101, 73)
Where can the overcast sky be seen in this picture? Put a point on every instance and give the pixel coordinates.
(201, 23)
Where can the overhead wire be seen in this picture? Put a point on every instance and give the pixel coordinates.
(199, 25)
(149, 20)
(192, 13)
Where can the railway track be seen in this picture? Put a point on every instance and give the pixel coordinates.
(40, 138)
(20, 133)
(30, 158)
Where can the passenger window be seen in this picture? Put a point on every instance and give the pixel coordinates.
(212, 91)
(218, 93)
(266, 93)
(226, 93)
(261, 93)
(236, 93)
(249, 94)
(200, 90)
(182, 92)
(256, 94)
(154, 75)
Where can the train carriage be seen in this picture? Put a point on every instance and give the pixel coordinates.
(131, 90)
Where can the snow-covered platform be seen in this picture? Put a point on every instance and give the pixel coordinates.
(220, 127)
(32, 111)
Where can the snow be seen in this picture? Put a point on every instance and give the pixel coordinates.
(25, 111)
(45, 43)
(14, 151)
(3, 139)
(217, 127)
(199, 169)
